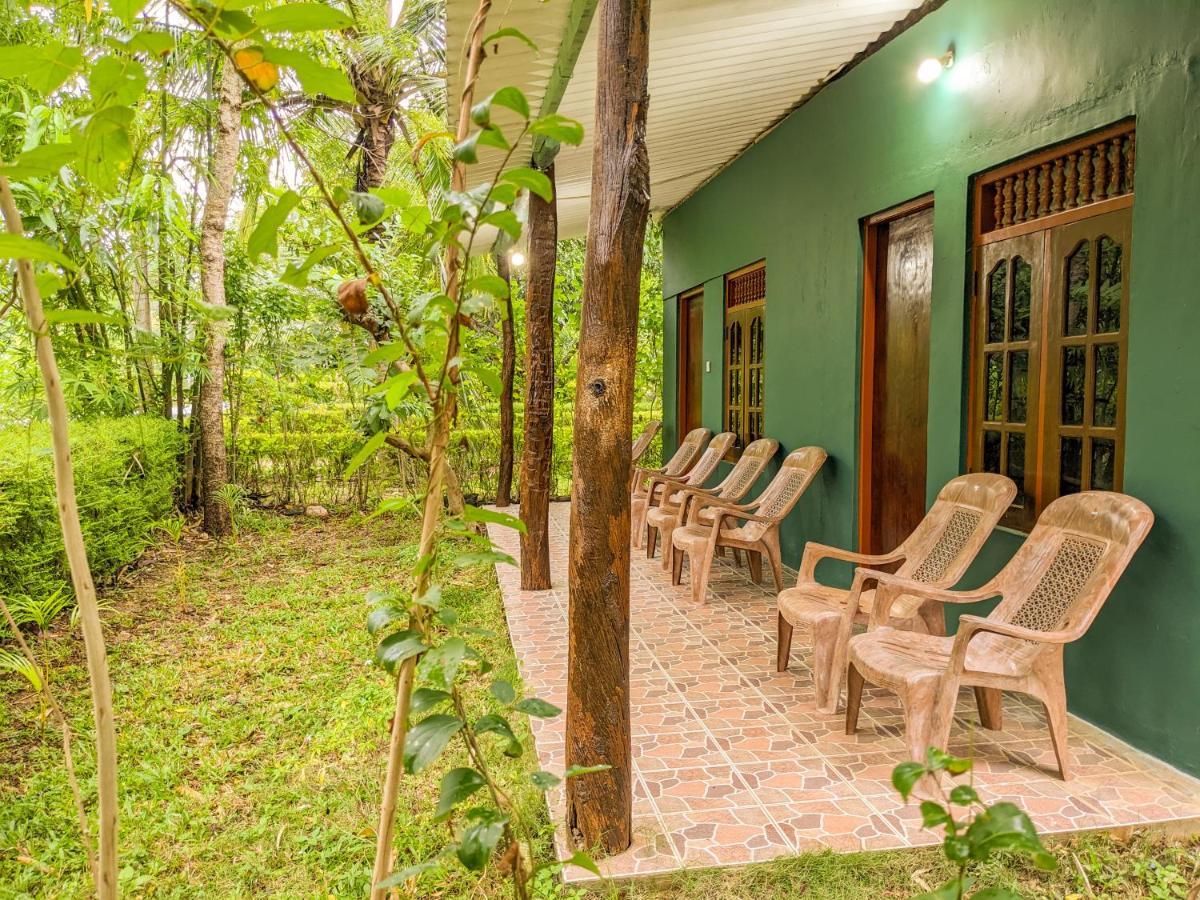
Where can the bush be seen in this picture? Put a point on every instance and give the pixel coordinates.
(126, 471)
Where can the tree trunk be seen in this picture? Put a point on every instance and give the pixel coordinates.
(212, 279)
(599, 806)
(508, 365)
(537, 450)
(81, 577)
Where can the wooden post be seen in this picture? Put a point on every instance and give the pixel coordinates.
(537, 451)
(599, 806)
(508, 365)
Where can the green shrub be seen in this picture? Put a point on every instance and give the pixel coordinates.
(126, 471)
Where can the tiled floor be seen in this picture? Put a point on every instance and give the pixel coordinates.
(733, 764)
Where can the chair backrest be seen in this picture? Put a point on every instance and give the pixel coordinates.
(642, 443)
(1067, 567)
(686, 453)
(785, 489)
(710, 458)
(747, 469)
(948, 539)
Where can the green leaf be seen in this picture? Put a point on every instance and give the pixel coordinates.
(467, 150)
(393, 504)
(104, 146)
(393, 196)
(576, 771)
(489, 284)
(957, 849)
(1005, 826)
(508, 97)
(116, 81)
(396, 648)
(297, 17)
(315, 79)
(457, 786)
(297, 275)
(584, 861)
(365, 452)
(398, 878)
(479, 839)
(483, 557)
(476, 514)
(265, 236)
(427, 739)
(79, 317)
(126, 10)
(503, 691)
(933, 814)
(506, 220)
(558, 128)
(41, 161)
(996, 893)
(384, 615)
(45, 68)
(17, 246)
(533, 706)
(905, 777)
(425, 699)
(397, 386)
(416, 219)
(530, 180)
(517, 33)
(156, 43)
(431, 599)
(494, 724)
(963, 795)
(951, 890)
(545, 781)
(385, 353)
(441, 664)
(369, 208)
(489, 378)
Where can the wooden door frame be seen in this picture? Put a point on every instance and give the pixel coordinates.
(872, 229)
(682, 338)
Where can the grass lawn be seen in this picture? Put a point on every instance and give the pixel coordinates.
(252, 734)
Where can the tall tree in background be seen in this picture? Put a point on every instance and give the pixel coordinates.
(538, 446)
(599, 808)
(212, 281)
(508, 365)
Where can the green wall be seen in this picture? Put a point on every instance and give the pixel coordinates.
(1029, 73)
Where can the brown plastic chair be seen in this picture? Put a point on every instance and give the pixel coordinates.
(681, 460)
(643, 441)
(937, 553)
(672, 511)
(758, 532)
(660, 487)
(1049, 594)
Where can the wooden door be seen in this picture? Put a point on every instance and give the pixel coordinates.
(1008, 335)
(691, 361)
(895, 375)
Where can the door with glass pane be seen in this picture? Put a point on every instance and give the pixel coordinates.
(1086, 348)
(1012, 280)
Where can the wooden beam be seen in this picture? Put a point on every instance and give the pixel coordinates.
(579, 20)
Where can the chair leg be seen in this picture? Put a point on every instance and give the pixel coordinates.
(839, 649)
(699, 576)
(668, 551)
(651, 541)
(774, 558)
(854, 689)
(755, 560)
(677, 567)
(991, 716)
(824, 638)
(637, 514)
(920, 719)
(737, 554)
(1055, 702)
(943, 698)
(783, 649)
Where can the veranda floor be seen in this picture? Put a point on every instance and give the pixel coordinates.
(733, 764)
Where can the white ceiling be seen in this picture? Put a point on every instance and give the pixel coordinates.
(721, 72)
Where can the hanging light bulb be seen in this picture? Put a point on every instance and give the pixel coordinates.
(930, 70)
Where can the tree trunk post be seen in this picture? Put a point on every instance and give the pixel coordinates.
(81, 575)
(217, 515)
(508, 365)
(599, 806)
(537, 450)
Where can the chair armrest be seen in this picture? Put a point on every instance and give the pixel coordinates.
(891, 588)
(814, 553)
(973, 625)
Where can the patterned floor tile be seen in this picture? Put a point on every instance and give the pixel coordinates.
(733, 762)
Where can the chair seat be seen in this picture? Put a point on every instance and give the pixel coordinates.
(892, 658)
(810, 603)
(694, 537)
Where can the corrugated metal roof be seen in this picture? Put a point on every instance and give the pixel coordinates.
(721, 72)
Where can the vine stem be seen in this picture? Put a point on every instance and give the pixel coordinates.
(81, 577)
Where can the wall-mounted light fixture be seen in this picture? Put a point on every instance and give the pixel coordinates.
(931, 69)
